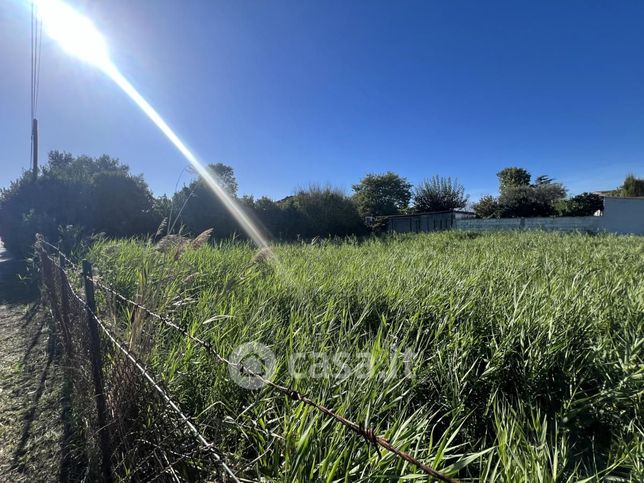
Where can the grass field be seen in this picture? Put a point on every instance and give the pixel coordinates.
(507, 356)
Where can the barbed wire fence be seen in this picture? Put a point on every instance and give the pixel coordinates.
(130, 424)
(126, 424)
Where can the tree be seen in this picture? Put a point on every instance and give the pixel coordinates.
(121, 205)
(512, 178)
(487, 207)
(83, 194)
(225, 176)
(321, 211)
(547, 194)
(311, 212)
(268, 213)
(382, 194)
(585, 204)
(528, 201)
(632, 186)
(543, 179)
(197, 208)
(439, 194)
(519, 198)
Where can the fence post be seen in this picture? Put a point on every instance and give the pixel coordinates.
(97, 371)
(64, 306)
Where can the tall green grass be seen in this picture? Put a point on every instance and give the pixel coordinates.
(528, 351)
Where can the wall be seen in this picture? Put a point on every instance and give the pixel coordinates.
(564, 223)
(623, 215)
(420, 222)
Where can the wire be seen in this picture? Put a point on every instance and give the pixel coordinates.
(38, 57)
(144, 372)
(36, 47)
(367, 433)
(33, 8)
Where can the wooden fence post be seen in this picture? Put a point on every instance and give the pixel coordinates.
(64, 306)
(97, 372)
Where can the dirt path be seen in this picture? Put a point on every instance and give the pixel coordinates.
(30, 385)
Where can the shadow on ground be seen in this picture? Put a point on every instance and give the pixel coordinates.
(32, 432)
(16, 286)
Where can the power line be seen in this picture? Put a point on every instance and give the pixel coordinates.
(36, 44)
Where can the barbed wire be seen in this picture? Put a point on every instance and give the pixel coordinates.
(145, 373)
(367, 433)
(59, 251)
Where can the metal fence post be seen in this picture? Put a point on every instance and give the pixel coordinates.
(97, 372)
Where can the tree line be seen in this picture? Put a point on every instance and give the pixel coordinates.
(81, 196)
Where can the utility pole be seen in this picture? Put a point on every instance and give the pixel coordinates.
(36, 36)
(34, 150)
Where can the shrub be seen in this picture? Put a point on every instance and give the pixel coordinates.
(529, 201)
(382, 194)
(585, 204)
(92, 194)
(439, 194)
(487, 207)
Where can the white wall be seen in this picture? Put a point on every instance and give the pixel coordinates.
(623, 215)
(564, 223)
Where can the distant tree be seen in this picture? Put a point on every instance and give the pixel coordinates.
(543, 179)
(382, 194)
(632, 186)
(79, 194)
(547, 194)
(518, 201)
(121, 205)
(321, 211)
(310, 212)
(513, 177)
(487, 207)
(529, 201)
(65, 166)
(585, 204)
(270, 214)
(197, 208)
(225, 175)
(439, 194)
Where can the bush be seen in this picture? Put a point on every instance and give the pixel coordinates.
(632, 186)
(382, 194)
(530, 201)
(439, 194)
(316, 211)
(487, 207)
(196, 208)
(92, 194)
(585, 204)
(321, 212)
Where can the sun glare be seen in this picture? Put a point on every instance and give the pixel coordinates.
(78, 36)
(75, 33)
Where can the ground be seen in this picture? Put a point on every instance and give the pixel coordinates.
(31, 428)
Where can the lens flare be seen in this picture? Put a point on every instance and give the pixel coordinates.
(78, 36)
(75, 33)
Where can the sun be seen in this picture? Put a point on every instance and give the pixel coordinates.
(75, 33)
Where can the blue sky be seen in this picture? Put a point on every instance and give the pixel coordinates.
(297, 92)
